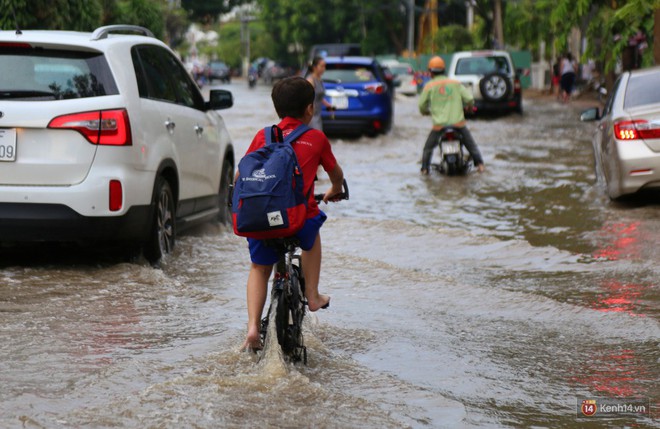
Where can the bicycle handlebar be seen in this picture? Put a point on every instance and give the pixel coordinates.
(340, 196)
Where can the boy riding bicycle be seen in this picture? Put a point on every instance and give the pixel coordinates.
(293, 99)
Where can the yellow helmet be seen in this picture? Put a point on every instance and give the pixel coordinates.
(436, 64)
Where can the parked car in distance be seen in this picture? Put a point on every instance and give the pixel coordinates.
(491, 77)
(405, 81)
(106, 138)
(626, 141)
(274, 71)
(218, 70)
(359, 91)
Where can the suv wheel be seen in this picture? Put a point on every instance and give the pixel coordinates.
(224, 213)
(495, 87)
(163, 225)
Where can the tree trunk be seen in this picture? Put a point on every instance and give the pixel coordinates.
(498, 29)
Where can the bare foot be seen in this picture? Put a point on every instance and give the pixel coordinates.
(252, 341)
(323, 301)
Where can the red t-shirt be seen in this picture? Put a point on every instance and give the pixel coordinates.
(312, 149)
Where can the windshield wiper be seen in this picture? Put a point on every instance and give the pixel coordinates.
(4, 94)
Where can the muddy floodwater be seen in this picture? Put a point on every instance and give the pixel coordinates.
(496, 300)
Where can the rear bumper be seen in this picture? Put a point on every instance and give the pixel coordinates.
(512, 104)
(26, 222)
(638, 166)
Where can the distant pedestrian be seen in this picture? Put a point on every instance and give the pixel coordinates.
(314, 76)
(555, 81)
(568, 68)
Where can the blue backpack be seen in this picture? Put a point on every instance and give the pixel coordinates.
(269, 200)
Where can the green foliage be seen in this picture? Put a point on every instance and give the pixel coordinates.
(146, 13)
(452, 38)
(208, 11)
(296, 25)
(80, 15)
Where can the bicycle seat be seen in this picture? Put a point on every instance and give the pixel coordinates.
(282, 245)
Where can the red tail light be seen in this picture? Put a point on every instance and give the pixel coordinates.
(105, 127)
(375, 88)
(15, 45)
(449, 136)
(637, 129)
(116, 196)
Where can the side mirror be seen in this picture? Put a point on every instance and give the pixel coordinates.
(590, 115)
(220, 99)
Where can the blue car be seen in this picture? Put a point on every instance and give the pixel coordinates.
(361, 92)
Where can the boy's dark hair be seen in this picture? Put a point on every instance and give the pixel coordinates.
(291, 96)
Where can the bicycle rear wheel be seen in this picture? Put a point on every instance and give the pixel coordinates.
(289, 317)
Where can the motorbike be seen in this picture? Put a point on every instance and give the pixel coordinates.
(454, 157)
(252, 77)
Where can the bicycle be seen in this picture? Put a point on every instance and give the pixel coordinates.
(287, 296)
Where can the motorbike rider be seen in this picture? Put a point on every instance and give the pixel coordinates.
(444, 99)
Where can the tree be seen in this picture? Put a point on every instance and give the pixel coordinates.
(79, 15)
(296, 25)
(208, 11)
(610, 27)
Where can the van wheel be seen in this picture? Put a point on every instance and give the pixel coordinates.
(495, 87)
(162, 232)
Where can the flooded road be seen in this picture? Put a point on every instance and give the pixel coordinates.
(494, 300)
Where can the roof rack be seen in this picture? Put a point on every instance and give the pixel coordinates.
(103, 32)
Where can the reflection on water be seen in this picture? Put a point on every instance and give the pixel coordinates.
(492, 300)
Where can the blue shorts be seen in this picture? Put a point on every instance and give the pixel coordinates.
(264, 255)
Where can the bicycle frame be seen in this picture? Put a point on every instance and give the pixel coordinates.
(287, 307)
(287, 295)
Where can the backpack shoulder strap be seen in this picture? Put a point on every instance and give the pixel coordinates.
(296, 133)
(273, 134)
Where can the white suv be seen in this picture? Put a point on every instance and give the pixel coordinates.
(106, 138)
(492, 78)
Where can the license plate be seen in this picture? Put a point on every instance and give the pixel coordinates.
(8, 145)
(450, 147)
(339, 101)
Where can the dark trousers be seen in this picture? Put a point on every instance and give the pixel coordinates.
(432, 142)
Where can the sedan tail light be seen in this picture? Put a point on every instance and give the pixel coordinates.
(104, 127)
(637, 129)
(375, 88)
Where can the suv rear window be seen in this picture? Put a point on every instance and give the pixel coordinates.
(347, 73)
(482, 65)
(27, 74)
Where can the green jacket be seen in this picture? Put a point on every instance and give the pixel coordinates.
(443, 99)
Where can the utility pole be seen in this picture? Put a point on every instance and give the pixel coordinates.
(411, 27)
(469, 6)
(245, 38)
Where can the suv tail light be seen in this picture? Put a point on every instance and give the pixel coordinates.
(375, 88)
(104, 127)
(116, 195)
(637, 129)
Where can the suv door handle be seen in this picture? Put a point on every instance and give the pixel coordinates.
(199, 130)
(170, 125)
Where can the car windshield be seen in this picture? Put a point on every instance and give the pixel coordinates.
(482, 65)
(27, 74)
(346, 73)
(642, 89)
